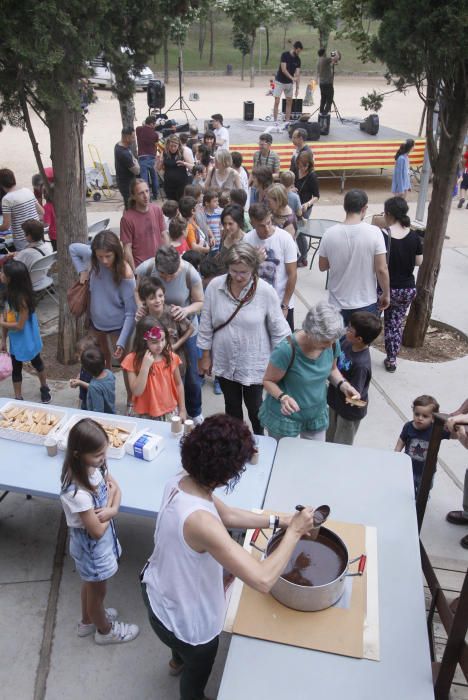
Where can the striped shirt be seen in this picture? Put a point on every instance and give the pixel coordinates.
(272, 161)
(213, 219)
(20, 204)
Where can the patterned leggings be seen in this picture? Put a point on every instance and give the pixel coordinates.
(400, 299)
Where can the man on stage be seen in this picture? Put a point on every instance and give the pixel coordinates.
(288, 73)
(325, 75)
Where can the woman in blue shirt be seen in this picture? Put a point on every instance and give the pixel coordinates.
(401, 183)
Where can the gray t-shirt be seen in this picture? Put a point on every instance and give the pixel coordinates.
(101, 394)
(325, 70)
(179, 290)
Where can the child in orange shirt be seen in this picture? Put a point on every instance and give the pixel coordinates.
(196, 238)
(153, 373)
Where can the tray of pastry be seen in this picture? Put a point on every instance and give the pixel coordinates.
(118, 431)
(28, 422)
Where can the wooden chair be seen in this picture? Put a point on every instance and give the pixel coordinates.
(456, 625)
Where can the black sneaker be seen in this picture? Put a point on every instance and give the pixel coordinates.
(460, 203)
(45, 394)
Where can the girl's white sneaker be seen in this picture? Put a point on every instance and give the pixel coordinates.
(119, 633)
(85, 630)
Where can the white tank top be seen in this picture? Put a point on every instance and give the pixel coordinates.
(185, 588)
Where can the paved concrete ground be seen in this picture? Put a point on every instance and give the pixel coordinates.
(41, 655)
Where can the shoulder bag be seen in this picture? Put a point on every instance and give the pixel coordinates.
(78, 299)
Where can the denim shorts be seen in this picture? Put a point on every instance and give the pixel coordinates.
(95, 560)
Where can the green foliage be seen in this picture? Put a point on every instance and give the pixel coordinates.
(373, 101)
(320, 14)
(240, 41)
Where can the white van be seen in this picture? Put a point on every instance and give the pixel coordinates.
(103, 77)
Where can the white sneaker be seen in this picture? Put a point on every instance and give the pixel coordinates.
(119, 633)
(198, 420)
(85, 630)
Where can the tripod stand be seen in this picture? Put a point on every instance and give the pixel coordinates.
(183, 106)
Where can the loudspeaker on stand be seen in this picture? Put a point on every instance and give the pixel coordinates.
(156, 94)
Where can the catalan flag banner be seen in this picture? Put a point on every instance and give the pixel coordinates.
(341, 155)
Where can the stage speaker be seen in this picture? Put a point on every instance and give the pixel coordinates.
(324, 124)
(249, 111)
(312, 128)
(370, 124)
(156, 94)
(296, 106)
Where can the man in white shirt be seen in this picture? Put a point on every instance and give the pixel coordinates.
(19, 204)
(220, 131)
(279, 266)
(354, 253)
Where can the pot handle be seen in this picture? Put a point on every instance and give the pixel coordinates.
(254, 538)
(362, 565)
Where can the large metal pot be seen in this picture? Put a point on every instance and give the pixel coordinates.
(328, 560)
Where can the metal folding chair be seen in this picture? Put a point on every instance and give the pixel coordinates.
(96, 228)
(313, 229)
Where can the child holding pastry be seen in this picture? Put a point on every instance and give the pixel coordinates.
(100, 390)
(354, 363)
(153, 373)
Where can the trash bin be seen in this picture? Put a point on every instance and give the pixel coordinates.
(249, 110)
(229, 69)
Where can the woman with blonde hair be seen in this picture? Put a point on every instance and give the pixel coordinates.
(222, 176)
(241, 322)
(175, 168)
(281, 213)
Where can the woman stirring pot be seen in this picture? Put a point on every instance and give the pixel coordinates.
(182, 584)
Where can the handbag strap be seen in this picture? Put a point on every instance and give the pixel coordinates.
(388, 231)
(250, 294)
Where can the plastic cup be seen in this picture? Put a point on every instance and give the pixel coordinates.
(176, 425)
(254, 458)
(51, 446)
(188, 426)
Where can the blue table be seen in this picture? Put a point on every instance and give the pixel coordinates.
(373, 487)
(27, 468)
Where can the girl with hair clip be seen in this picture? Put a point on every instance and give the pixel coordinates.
(90, 499)
(404, 253)
(20, 324)
(153, 373)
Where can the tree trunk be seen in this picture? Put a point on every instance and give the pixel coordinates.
(251, 62)
(166, 58)
(201, 36)
(324, 35)
(34, 143)
(211, 21)
(70, 206)
(285, 31)
(444, 171)
(127, 114)
(243, 66)
(267, 34)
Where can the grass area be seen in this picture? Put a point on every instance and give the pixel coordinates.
(225, 53)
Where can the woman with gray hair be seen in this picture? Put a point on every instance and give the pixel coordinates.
(222, 176)
(184, 294)
(241, 323)
(297, 374)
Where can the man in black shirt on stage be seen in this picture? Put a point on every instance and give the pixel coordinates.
(288, 73)
(326, 75)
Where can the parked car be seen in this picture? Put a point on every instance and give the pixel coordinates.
(103, 77)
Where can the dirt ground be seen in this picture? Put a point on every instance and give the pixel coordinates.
(217, 94)
(441, 344)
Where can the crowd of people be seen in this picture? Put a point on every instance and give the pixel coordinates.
(203, 284)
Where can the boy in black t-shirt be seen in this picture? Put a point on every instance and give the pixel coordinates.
(416, 434)
(354, 364)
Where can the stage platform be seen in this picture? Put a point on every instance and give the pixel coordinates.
(346, 151)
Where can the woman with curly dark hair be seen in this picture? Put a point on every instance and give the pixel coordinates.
(182, 583)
